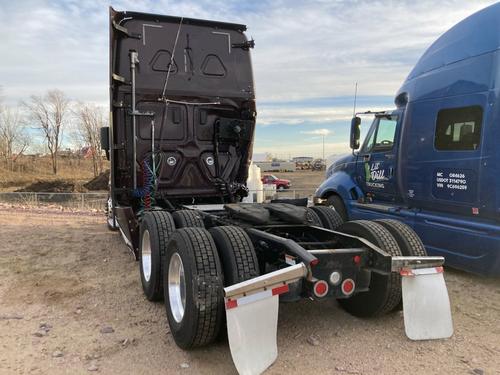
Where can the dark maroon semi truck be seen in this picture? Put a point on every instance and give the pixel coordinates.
(183, 114)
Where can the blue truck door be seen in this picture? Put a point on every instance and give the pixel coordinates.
(376, 164)
(444, 172)
(444, 155)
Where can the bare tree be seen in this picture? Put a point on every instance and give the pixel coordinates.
(13, 137)
(91, 120)
(49, 113)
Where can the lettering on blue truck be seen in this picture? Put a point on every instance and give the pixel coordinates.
(457, 184)
(374, 173)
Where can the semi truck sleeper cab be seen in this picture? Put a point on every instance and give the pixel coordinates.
(434, 161)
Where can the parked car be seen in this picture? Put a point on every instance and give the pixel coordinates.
(281, 183)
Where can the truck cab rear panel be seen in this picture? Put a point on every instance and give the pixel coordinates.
(188, 83)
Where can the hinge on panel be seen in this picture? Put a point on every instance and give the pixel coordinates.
(139, 113)
(119, 78)
(118, 104)
(245, 45)
(124, 31)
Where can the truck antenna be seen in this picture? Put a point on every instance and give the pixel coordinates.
(355, 96)
(171, 61)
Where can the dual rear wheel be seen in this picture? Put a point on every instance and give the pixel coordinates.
(200, 264)
(395, 238)
(190, 266)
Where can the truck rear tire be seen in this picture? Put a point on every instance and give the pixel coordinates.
(237, 254)
(188, 218)
(385, 291)
(238, 258)
(335, 202)
(330, 218)
(193, 292)
(156, 228)
(408, 241)
(313, 218)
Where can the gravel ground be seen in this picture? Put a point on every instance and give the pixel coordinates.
(71, 303)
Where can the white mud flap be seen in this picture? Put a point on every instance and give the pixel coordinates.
(251, 329)
(426, 305)
(252, 318)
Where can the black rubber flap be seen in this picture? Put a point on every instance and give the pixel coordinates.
(288, 212)
(251, 212)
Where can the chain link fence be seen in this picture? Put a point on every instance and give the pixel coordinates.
(97, 201)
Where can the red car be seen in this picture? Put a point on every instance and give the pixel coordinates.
(281, 184)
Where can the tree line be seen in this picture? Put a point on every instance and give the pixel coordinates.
(49, 115)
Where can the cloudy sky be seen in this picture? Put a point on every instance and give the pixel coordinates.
(307, 58)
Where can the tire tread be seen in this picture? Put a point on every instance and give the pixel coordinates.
(330, 218)
(164, 228)
(188, 218)
(209, 285)
(390, 246)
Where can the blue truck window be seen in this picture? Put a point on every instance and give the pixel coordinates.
(369, 141)
(458, 129)
(381, 135)
(385, 133)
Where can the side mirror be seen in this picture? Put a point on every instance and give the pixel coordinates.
(105, 140)
(355, 132)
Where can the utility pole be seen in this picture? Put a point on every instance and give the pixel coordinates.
(323, 147)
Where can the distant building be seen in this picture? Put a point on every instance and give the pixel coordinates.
(275, 166)
(302, 159)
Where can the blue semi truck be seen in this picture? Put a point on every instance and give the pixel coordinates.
(434, 161)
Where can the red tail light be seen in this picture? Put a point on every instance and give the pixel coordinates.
(348, 287)
(320, 288)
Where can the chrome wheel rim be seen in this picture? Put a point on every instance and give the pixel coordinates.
(176, 287)
(146, 255)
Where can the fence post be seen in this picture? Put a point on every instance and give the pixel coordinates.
(83, 202)
(36, 199)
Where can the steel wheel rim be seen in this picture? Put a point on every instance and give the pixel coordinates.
(176, 287)
(146, 255)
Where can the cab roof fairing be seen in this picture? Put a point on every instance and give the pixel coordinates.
(119, 16)
(473, 37)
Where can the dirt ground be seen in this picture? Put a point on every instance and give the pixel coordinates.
(71, 302)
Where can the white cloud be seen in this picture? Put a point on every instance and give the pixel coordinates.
(286, 115)
(304, 49)
(321, 132)
(314, 149)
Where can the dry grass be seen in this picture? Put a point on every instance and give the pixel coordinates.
(30, 169)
